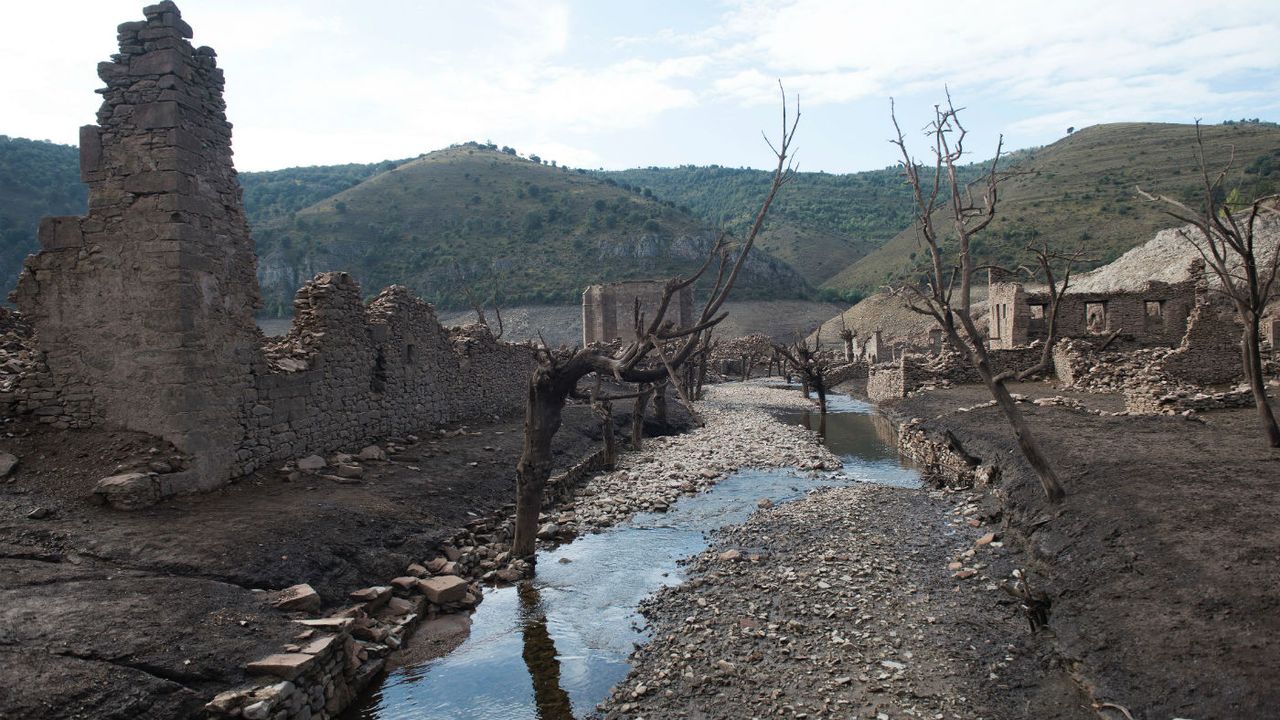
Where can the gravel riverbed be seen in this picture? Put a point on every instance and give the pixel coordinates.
(739, 433)
(855, 602)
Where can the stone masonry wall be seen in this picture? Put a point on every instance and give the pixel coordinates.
(608, 310)
(347, 373)
(1011, 324)
(141, 313)
(144, 308)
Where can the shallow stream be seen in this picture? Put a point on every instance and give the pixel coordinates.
(551, 649)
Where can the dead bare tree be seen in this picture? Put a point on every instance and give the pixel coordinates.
(479, 310)
(946, 295)
(846, 336)
(637, 414)
(1226, 237)
(559, 371)
(1046, 258)
(810, 364)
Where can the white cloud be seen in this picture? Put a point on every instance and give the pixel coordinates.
(333, 81)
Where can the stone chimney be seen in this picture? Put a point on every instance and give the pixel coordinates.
(145, 306)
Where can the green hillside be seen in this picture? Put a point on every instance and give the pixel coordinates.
(1079, 192)
(278, 193)
(475, 217)
(36, 179)
(820, 225)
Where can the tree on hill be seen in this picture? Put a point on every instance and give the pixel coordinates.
(1226, 236)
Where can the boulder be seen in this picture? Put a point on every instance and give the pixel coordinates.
(128, 491)
(372, 452)
(311, 463)
(298, 597)
(350, 470)
(444, 589)
(8, 462)
(373, 597)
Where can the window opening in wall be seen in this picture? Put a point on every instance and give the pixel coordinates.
(409, 354)
(1037, 312)
(995, 327)
(1155, 309)
(1095, 316)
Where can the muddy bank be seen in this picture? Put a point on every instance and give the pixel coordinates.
(148, 614)
(1161, 563)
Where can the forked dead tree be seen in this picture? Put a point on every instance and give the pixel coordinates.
(810, 364)
(846, 337)
(945, 296)
(1227, 238)
(559, 371)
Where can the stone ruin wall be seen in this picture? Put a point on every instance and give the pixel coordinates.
(144, 307)
(1011, 325)
(347, 373)
(142, 311)
(912, 372)
(1209, 353)
(608, 311)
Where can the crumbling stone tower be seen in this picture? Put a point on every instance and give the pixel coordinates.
(144, 308)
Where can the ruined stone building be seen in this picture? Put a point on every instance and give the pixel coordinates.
(608, 311)
(142, 310)
(1153, 313)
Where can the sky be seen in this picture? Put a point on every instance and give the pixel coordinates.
(618, 84)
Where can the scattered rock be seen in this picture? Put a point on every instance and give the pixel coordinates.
(373, 597)
(128, 491)
(297, 598)
(373, 453)
(312, 463)
(284, 665)
(8, 462)
(40, 513)
(444, 589)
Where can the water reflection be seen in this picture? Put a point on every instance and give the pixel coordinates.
(866, 441)
(554, 647)
(540, 657)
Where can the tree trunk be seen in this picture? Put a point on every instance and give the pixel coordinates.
(746, 369)
(637, 416)
(610, 438)
(821, 387)
(804, 386)
(848, 350)
(542, 419)
(660, 405)
(702, 378)
(540, 656)
(1026, 441)
(1253, 374)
